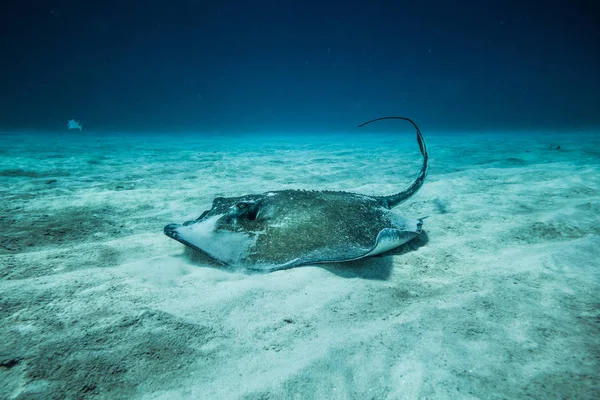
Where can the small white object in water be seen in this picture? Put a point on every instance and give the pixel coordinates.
(72, 124)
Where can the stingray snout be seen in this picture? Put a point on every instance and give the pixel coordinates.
(171, 229)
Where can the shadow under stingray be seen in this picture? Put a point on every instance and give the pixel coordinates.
(377, 267)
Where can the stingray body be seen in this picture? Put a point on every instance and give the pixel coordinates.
(289, 228)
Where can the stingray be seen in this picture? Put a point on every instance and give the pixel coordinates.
(290, 228)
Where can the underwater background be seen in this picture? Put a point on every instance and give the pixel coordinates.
(299, 66)
(118, 118)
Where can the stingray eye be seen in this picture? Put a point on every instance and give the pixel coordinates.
(246, 209)
(252, 212)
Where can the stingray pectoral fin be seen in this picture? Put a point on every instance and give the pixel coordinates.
(390, 238)
(172, 231)
(225, 247)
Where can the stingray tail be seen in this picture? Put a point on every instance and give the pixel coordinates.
(395, 199)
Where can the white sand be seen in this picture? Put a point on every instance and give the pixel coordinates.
(500, 298)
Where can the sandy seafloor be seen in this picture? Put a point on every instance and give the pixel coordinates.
(498, 299)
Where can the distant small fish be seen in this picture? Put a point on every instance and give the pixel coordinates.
(72, 124)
